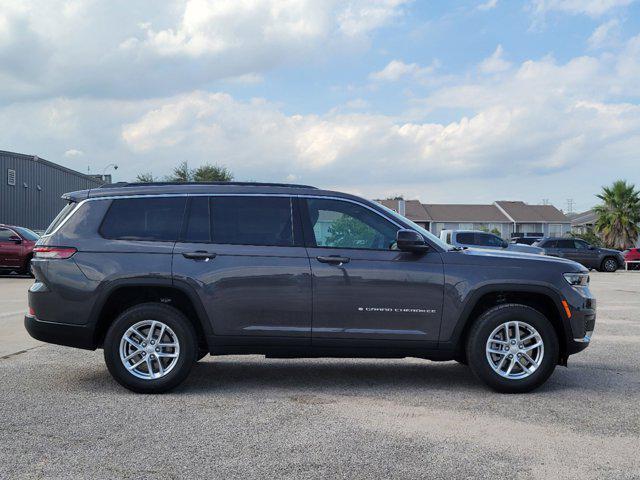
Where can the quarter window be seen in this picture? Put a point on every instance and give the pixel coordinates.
(5, 234)
(156, 219)
(340, 224)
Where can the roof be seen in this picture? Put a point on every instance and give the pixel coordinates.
(523, 213)
(37, 159)
(465, 213)
(413, 209)
(584, 218)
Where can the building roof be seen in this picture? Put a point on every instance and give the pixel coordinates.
(523, 213)
(413, 209)
(585, 218)
(465, 213)
(37, 159)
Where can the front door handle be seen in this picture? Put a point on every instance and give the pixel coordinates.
(333, 260)
(199, 255)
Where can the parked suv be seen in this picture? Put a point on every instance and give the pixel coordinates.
(603, 259)
(480, 239)
(159, 275)
(16, 248)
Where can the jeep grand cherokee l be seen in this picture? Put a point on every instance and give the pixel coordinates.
(159, 275)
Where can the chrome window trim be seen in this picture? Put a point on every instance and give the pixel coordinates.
(116, 197)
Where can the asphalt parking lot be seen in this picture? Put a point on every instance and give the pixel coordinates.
(63, 416)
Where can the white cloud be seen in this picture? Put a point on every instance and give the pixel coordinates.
(397, 69)
(593, 8)
(495, 63)
(121, 49)
(488, 5)
(73, 153)
(606, 34)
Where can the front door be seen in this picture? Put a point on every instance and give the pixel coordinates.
(585, 254)
(365, 291)
(245, 259)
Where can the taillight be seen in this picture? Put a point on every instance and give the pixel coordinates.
(56, 253)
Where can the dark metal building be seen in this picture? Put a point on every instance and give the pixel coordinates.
(30, 189)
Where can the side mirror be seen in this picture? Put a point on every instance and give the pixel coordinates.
(410, 241)
(15, 239)
(591, 247)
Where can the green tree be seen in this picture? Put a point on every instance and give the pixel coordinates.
(145, 178)
(212, 173)
(347, 232)
(618, 215)
(181, 173)
(590, 237)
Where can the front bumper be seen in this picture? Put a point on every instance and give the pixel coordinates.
(79, 336)
(583, 320)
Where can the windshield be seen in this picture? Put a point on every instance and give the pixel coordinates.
(26, 233)
(418, 228)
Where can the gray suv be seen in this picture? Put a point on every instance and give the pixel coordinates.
(603, 259)
(160, 275)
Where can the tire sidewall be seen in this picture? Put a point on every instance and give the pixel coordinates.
(151, 311)
(487, 323)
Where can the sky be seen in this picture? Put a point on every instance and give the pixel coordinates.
(444, 101)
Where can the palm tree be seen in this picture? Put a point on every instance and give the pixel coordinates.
(618, 215)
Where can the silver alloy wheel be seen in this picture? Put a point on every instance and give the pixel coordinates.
(610, 265)
(515, 350)
(149, 349)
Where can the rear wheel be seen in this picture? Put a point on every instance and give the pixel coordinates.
(150, 348)
(609, 264)
(512, 348)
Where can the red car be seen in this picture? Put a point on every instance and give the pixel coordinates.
(16, 248)
(632, 255)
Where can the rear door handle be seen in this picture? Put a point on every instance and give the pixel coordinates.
(333, 260)
(199, 255)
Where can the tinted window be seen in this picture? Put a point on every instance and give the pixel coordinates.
(466, 238)
(144, 219)
(252, 221)
(5, 234)
(580, 245)
(198, 227)
(339, 224)
(488, 240)
(566, 244)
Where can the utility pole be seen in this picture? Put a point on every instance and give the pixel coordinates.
(570, 205)
(545, 201)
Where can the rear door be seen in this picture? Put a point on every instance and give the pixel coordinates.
(10, 251)
(366, 292)
(245, 258)
(567, 249)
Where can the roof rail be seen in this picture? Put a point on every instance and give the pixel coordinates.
(245, 184)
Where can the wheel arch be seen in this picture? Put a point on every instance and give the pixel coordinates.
(123, 294)
(543, 299)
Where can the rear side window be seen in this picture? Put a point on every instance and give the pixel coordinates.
(566, 244)
(5, 234)
(466, 238)
(156, 219)
(64, 213)
(250, 220)
(488, 240)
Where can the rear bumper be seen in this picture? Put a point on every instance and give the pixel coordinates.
(78, 336)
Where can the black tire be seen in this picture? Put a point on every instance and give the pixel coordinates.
(609, 264)
(27, 269)
(479, 335)
(174, 319)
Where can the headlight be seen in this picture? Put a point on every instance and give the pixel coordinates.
(577, 279)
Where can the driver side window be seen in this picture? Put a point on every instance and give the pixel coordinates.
(340, 224)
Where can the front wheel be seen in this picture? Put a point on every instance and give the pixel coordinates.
(512, 348)
(609, 265)
(150, 348)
